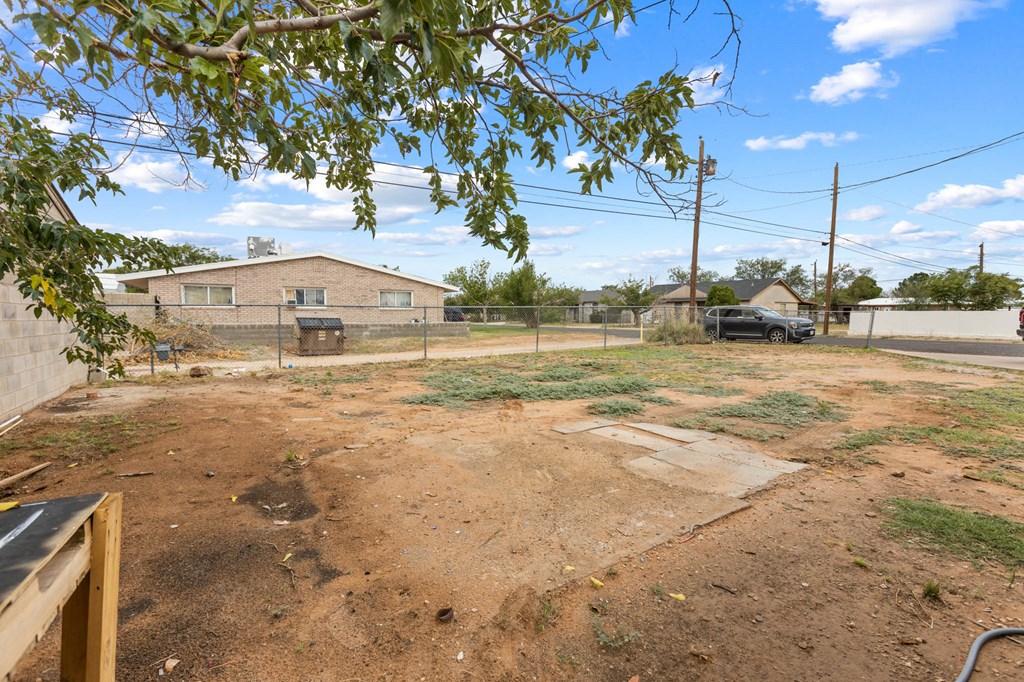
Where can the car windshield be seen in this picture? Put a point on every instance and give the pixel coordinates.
(768, 312)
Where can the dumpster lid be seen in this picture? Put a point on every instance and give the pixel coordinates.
(319, 323)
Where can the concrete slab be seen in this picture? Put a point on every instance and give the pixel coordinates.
(714, 467)
(587, 425)
(682, 435)
(633, 438)
(696, 482)
(742, 455)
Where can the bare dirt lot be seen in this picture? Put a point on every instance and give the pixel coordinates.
(310, 525)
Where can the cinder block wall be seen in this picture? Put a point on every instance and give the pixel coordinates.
(32, 370)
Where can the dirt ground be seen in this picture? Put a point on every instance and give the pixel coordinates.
(297, 527)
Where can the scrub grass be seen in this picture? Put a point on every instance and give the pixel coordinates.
(961, 532)
(784, 408)
(615, 407)
(955, 442)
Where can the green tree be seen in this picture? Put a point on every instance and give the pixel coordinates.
(915, 291)
(843, 275)
(760, 268)
(991, 291)
(681, 275)
(526, 288)
(863, 288)
(311, 88)
(476, 286)
(180, 255)
(721, 294)
(633, 293)
(950, 287)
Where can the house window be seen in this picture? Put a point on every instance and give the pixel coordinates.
(305, 296)
(202, 294)
(396, 299)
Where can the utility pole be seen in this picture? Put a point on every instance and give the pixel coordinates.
(831, 248)
(981, 258)
(696, 233)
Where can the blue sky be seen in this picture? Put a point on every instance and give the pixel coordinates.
(879, 86)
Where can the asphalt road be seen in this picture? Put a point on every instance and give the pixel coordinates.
(986, 348)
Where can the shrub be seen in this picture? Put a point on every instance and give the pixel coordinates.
(678, 333)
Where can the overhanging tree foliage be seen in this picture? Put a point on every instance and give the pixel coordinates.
(312, 88)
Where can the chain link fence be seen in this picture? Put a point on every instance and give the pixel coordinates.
(243, 338)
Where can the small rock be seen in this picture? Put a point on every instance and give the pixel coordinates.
(210, 474)
(805, 585)
(802, 645)
(871, 515)
(200, 371)
(759, 618)
(356, 446)
(898, 474)
(460, 657)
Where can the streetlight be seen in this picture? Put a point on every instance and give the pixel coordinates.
(704, 167)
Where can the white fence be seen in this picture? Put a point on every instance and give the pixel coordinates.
(950, 324)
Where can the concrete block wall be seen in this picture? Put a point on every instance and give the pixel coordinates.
(32, 370)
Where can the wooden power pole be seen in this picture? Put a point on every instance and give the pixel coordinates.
(696, 233)
(831, 248)
(981, 258)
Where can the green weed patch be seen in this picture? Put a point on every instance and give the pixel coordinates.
(615, 407)
(785, 408)
(955, 442)
(968, 534)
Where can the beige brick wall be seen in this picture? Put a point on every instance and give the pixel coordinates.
(264, 283)
(32, 370)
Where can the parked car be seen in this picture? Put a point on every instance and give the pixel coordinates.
(755, 322)
(454, 315)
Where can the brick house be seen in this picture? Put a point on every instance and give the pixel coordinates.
(253, 295)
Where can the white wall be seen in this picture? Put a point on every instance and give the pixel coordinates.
(952, 324)
(32, 370)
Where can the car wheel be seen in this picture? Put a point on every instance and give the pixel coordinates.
(711, 333)
(777, 336)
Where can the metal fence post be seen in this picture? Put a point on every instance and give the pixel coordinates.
(606, 326)
(536, 348)
(280, 341)
(152, 364)
(871, 328)
(664, 320)
(424, 332)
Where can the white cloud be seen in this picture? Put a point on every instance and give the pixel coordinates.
(991, 230)
(141, 171)
(622, 31)
(575, 159)
(905, 227)
(144, 126)
(448, 236)
(52, 121)
(549, 249)
(972, 196)
(897, 26)
(864, 213)
(550, 232)
(707, 82)
(183, 236)
(799, 142)
(853, 82)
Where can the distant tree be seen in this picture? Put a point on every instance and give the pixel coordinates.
(681, 274)
(476, 286)
(525, 287)
(760, 268)
(800, 280)
(721, 294)
(843, 275)
(914, 291)
(180, 255)
(862, 289)
(950, 287)
(634, 293)
(990, 291)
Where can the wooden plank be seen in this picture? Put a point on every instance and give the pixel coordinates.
(101, 636)
(24, 620)
(32, 549)
(73, 630)
(24, 474)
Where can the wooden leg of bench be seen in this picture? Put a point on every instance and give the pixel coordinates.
(101, 642)
(89, 621)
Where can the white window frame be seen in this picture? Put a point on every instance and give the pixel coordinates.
(294, 302)
(207, 287)
(380, 299)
